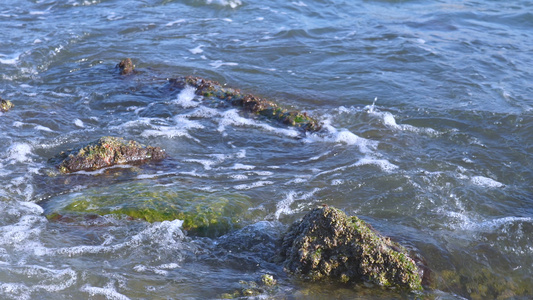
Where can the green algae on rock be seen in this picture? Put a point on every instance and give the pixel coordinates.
(107, 151)
(328, 244)
(5, 105)
(248, 102)
(203, 213)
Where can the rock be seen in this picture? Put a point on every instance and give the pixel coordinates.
(262, 288)
(105, 152)
(248, 102)
(203, 213)
(126, 66)
(5, 105)
(328, 244)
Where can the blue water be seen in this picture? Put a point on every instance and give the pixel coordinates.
(427, 114)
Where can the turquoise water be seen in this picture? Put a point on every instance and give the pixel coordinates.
(427, 113)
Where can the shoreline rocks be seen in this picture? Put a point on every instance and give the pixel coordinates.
(247, 102)
(105, 152)
(329, 245)
(5, 105)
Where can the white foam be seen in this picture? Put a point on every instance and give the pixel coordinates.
(20, 152)
(197, 50)
(473, 224)
(337, 182)
(166, 234)
(239, 176)
(185, 123)
(207, 164)
(218, 63)
(170, 132)
(263, 173)
(15, 291)
(238, 166)
(65, 278)
(169, 266)
(486, 182)
(103, 170)
(151, 176)
(230, 3)
(298, 180)
(140, 268)
(284, 206)
(388, 120)
(383, 164)
(253, 185)
(108, 292)
(204, 112)
(79, 123)
(43, 128)
(13, 60)
(175, 22)
(299, 3)
(343, 136)
(186, 98)
(232, 117)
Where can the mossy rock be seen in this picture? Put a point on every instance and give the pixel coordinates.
(329, 245)
(5, 105)
(203, 213)
(105, 152)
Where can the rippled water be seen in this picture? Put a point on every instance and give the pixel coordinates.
(428, 120)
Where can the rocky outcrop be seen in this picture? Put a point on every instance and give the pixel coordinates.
(5, 105)
(107, 151)
(248, 102)
(328, 244)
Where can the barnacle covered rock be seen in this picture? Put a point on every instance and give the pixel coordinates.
(328, 244)
(107, 151)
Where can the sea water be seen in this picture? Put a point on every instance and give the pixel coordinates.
(427, 135)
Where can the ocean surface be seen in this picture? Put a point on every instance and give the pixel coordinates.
(427, 112)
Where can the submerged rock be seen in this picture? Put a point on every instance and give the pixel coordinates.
(5, 105)
(107, 151)
(203, 213)
(478, 283)
(328, 244)
(260, 288)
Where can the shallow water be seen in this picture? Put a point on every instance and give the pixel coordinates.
(427, 114)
